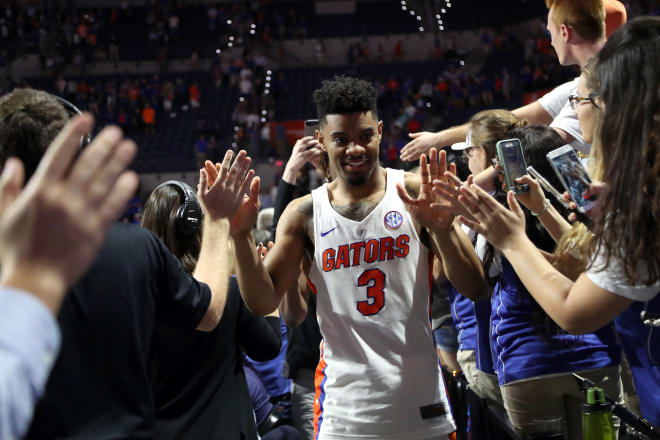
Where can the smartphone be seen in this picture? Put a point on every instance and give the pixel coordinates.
(547, 186)
(572, 175)
(311, 125)
(510, 155)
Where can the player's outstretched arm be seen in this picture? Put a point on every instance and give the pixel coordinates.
(264, 283)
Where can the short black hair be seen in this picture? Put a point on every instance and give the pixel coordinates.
(344, 95)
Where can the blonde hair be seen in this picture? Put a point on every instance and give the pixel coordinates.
(587, 17)
(595, 166)
(490, 126)
(574, 249)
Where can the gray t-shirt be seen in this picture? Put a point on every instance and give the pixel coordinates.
(556, 104)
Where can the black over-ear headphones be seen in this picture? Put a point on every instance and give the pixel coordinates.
(189, 215)
(72, 110)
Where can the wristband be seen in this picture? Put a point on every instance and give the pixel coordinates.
(545, 208)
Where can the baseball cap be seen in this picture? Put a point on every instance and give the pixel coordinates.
(462, 145)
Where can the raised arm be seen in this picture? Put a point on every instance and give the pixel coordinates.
(263, 284)
(422, 142)
(579, 307)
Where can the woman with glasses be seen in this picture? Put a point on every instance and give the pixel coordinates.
(622, 280)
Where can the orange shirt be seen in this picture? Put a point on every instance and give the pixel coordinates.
(149, 115)
(194, 93)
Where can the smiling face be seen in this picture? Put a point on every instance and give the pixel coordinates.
(352, 142)
(586, 112)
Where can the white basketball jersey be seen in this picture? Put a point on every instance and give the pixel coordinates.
(379, 375)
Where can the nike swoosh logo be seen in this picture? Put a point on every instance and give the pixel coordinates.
(323, 234)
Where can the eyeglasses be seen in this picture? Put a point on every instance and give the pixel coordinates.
(575, 100)
(469, 151)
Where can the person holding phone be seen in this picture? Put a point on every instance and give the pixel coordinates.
(472, 315)
(622, 280)
(531, 355)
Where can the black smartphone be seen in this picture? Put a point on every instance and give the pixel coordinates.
(572, 175)
(512, 160)
(311, 125)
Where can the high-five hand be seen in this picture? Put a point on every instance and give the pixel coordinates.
(501, 226)
(221, 192)
(428, 209)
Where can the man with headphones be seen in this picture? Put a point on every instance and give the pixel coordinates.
(99, 386)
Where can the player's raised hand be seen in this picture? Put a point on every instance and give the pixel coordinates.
(428, 209)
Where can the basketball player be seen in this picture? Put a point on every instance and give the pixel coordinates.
(378, 375)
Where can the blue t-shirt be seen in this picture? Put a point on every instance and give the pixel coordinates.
(520, 352)
(642, 346)
(271, 372)
(462, 313)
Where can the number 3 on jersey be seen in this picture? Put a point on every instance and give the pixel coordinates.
(374, 281)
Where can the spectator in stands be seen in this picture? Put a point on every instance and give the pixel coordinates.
(149, 118)
(194, 96)
(397, 53)
(621, 280)
(529, 350)
(39, 266)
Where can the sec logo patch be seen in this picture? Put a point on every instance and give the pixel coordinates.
(393, 219)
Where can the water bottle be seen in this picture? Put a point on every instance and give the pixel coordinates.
(597, 417)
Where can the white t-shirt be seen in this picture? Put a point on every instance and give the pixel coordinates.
(556, 105)
(613, 279)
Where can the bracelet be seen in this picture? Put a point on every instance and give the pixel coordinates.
(545, 208)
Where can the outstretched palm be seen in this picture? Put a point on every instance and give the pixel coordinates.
(244, 213)
(428, 209)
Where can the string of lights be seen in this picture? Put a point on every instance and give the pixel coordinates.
(441, 13)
